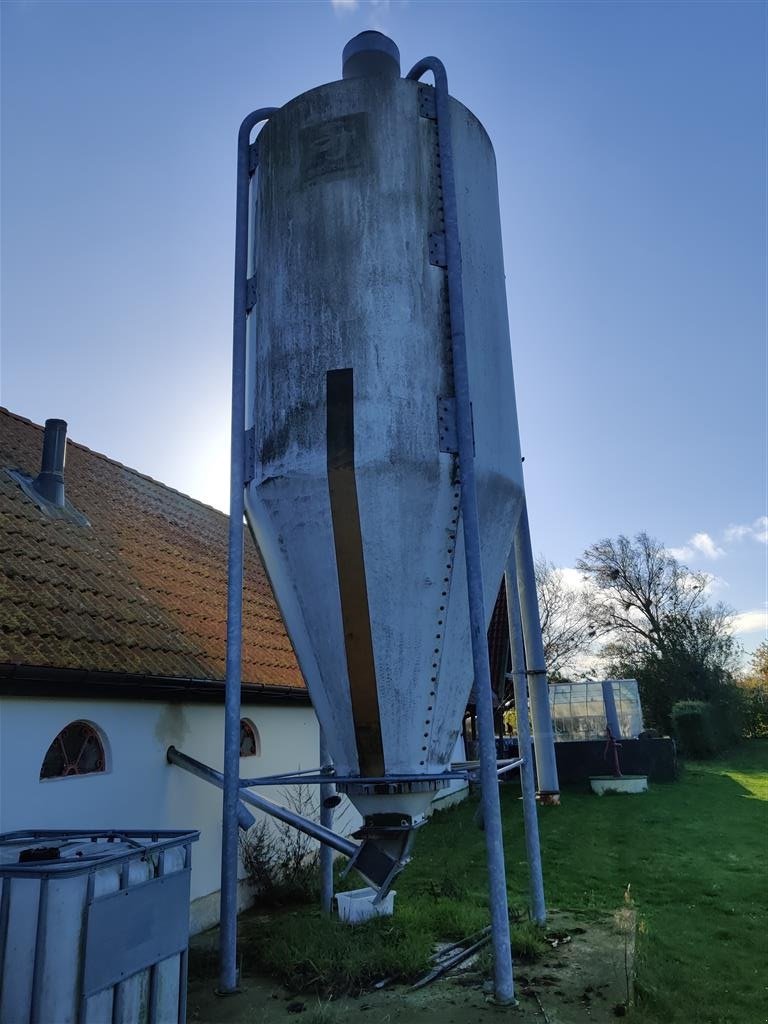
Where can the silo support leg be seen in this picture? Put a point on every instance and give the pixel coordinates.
(497, 881)
(527, 782)
(228, 981)
(541, 716)
(326, 819)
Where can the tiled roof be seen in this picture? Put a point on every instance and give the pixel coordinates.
(141, 591)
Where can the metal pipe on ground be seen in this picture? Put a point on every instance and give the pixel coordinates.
(503, 975)
(541, 716)
(527, 781)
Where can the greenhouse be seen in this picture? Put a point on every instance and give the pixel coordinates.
(578, 709)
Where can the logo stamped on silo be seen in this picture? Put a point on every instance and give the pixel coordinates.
(334, 148)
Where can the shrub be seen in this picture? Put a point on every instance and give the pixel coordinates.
(281, 861)
(692, 724)
(755, 711)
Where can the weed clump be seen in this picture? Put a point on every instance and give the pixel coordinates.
(281, 862)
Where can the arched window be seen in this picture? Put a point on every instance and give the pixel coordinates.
(77, 750)
(250, 742)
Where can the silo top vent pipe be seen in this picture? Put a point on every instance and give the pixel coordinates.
(49, 482)
(370, 53)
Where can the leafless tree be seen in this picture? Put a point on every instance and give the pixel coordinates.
(569, 618)
(640, 588)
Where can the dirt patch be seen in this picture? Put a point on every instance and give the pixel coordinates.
(583, 977)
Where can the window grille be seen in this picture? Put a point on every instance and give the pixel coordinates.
(250, 742)
(77, 750)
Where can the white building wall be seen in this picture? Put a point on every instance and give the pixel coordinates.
(139, 788)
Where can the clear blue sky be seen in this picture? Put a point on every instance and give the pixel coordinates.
(631, 145)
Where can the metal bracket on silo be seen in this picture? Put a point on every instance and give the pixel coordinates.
(250, 294)
(427, 106)
(253, 156)
(446, 425)
(437, 255)
(250, 455)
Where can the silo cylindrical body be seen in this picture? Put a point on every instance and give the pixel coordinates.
(355, 492)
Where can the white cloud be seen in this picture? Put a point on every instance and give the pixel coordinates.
(699, 544)
(751, 622)
(757, 530)
(680, 553)
(704, 544)
(345, 6)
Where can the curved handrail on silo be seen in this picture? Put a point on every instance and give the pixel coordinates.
(229, 840)
(504, 981)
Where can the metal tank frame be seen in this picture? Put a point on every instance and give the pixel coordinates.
(366, 857)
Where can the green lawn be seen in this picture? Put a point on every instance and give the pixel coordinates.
(696, 856)
(694, 852)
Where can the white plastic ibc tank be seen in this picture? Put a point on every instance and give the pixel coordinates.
(355, 492)
(94, 927)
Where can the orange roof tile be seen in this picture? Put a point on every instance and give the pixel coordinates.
(141, 591)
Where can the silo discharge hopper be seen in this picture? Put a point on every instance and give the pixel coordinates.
(353, 488)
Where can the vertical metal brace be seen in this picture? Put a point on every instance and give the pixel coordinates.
(504, 982)
(527, 781)
(82, 999)
(326, 819)
(5, 906)
(118, 990)
(184, 955)
(246, 155)
(38, 969)
(541, 714)
(611, 711)
(152, 993)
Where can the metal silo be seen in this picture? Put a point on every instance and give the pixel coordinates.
(353, 483)
(375, 454)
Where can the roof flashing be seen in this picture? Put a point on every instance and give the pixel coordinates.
(66, 512)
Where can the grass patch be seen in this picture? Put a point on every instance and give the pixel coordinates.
(694, 853)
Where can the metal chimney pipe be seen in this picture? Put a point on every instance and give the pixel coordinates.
(370, 53)
(49, 482)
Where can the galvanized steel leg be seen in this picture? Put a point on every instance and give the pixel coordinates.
(229, 839)
(527, 781)
(504, 982)
(327, 790)
(5, 906)
(39, 954)
(118, 991)
(184, 959)
(541, 715)
(82, 1000)
(611, 712)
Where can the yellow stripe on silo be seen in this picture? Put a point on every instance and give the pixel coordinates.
(350, 566)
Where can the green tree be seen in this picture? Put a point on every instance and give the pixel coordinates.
(754, 687)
